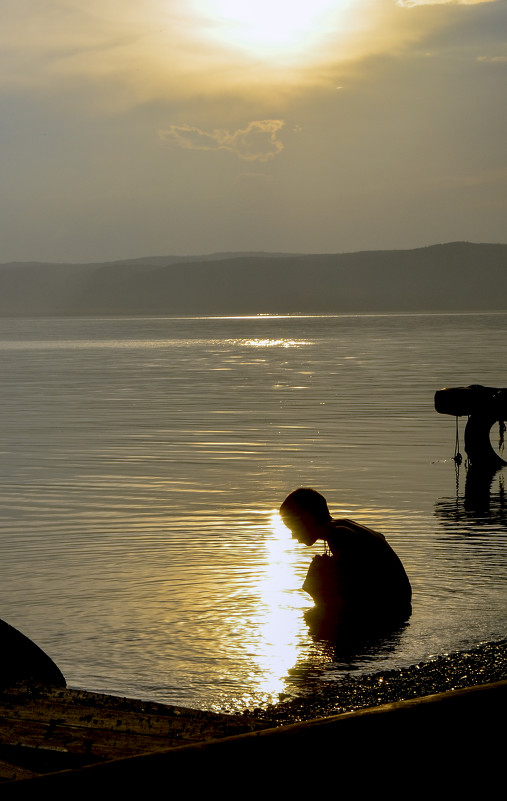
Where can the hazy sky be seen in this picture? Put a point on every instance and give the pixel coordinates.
(147, 127)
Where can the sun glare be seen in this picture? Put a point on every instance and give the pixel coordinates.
(265, 27)
(282, 628)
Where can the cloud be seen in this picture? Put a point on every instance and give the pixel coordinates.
(116, 55)
(257, 142)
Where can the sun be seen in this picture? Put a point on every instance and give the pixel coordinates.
(268, 27)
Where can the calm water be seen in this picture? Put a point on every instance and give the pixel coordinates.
(142, 461)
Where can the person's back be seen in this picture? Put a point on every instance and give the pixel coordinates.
(372, 576)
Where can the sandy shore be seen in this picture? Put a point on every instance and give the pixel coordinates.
(484, 664)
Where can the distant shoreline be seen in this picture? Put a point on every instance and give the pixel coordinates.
(453, 277)
(259, 315)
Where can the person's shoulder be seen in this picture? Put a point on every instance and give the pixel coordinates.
(343, 536)
(345, 525)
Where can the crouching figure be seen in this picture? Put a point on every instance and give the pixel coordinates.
(363, 580)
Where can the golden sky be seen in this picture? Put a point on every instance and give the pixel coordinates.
(143, 127)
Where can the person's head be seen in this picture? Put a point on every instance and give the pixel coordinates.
(304, 512)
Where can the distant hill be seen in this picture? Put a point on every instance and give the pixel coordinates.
(459, 276)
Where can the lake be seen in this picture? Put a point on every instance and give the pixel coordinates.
(143, 461)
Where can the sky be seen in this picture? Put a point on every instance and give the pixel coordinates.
(134, 128)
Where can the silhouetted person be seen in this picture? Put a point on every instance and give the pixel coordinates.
(364, 580)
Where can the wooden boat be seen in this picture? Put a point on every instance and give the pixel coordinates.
(44, 729)
(451, 741)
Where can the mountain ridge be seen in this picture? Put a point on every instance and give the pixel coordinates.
(450, 276)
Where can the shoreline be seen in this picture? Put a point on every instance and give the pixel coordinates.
(59, 734)
(485, 664)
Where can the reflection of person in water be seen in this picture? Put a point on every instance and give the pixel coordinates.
(363, 579)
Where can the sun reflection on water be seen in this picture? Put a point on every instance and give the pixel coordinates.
(269, 343)
(281, 623)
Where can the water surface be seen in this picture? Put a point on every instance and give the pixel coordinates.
(142, 463)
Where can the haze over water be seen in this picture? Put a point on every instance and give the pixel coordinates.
(143, 461)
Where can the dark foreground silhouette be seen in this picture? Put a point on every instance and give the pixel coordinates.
(362, 584)
(483, 407)
(23, 662)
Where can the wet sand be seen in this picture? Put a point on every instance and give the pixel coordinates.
(482, 665)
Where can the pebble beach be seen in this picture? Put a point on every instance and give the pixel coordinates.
(482, 665)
